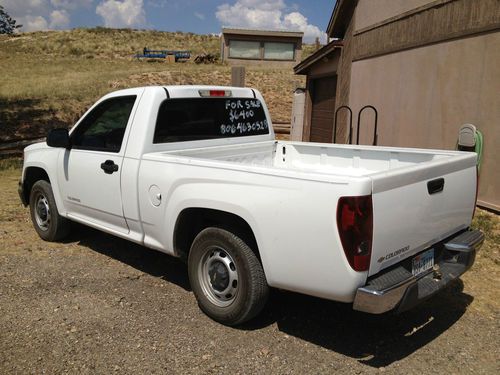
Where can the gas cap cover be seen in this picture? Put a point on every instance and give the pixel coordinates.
(155, 195)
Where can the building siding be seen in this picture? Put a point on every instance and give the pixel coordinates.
(439, 21)
(424, 95)
(371, 12)
(344, 83)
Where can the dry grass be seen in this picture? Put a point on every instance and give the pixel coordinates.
(489, 223)
(50, 78)
(54, 91)
(106, 43)
(307, 50)
(485, 273)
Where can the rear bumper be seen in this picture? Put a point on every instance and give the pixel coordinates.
(399, 289)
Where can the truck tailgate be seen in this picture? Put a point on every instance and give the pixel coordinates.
(415, 207)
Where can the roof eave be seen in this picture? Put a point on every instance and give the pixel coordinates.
(341, 15)
(256, 32)
(301, 67)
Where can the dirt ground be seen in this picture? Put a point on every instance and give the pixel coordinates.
(98, 304)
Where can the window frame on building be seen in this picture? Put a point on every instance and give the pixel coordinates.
(262, 49)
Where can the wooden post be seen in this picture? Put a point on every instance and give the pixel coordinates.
(238, 76)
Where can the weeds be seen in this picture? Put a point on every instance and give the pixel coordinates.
(489, 224)
(11, 164)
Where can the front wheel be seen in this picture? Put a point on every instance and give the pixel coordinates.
(49, 225)
(226, 277)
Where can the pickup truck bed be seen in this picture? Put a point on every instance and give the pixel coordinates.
(323, 159)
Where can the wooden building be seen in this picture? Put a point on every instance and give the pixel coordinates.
(427, 66)
(244, 47)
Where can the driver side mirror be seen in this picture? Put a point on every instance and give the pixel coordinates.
(58, 138)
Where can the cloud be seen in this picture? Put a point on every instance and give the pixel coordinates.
(296, 21)
(157, 3)
(29, 13)
(22, 8)
(200, 16)
(59, 19)
(122, 13)
(71, 4)
(33, 23)
(43, 14)
(267, 14)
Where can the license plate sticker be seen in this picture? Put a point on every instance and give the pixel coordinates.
(423, 262)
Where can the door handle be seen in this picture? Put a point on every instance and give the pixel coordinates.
(435, 186)
(109, 167)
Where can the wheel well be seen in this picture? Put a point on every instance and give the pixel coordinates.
(192, 221)
(32, 175)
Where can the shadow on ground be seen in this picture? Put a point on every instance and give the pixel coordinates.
(145, 260)
(26, 119)
(374, 340)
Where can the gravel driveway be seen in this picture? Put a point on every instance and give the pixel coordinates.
(98, 304)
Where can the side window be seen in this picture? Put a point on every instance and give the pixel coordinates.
(104, 127)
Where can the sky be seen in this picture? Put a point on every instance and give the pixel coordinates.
(198, 16)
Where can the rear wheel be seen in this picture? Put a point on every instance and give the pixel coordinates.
(226, 277)
(49, 225)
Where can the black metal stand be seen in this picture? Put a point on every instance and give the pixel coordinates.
(375, 135)
(335, 123)
(359, 123)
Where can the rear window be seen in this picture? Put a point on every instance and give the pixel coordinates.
(191, 119)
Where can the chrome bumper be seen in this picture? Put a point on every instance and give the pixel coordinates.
(399, 289)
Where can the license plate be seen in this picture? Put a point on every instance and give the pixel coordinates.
(423, 262)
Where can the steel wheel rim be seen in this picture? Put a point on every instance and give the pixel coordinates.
(218, 276)
(42, 212)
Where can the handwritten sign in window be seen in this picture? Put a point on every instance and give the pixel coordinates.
(243, 117)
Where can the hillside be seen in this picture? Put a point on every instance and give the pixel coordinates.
(50, 78)
(108, 43)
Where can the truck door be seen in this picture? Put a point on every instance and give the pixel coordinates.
(90, 182)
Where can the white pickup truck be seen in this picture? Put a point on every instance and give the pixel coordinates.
(195, 172)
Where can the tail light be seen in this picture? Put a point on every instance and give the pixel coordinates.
(211, 93)
(355, 225)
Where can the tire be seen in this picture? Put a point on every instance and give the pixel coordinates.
(226, 277)
(47, 222)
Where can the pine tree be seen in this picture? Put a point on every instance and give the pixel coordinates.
(7, 23)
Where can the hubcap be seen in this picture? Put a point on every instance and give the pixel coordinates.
(218, 276)
(42, 212)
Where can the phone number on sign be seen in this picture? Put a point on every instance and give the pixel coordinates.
(242, 128)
